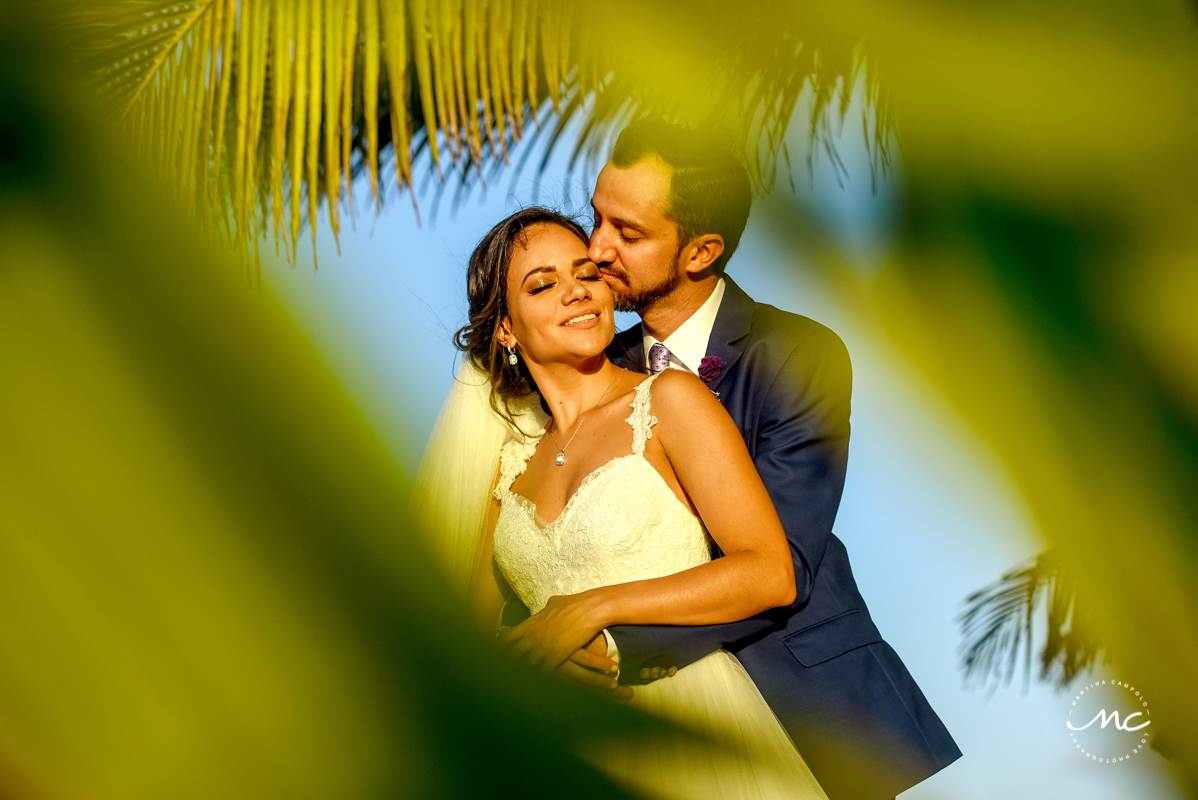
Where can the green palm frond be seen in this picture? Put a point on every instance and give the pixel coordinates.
(998, 625)
(250, 106)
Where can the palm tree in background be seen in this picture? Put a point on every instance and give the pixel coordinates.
(1000, 623)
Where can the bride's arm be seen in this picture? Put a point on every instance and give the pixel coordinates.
(713, 466)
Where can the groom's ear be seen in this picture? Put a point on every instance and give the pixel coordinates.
(702, 252)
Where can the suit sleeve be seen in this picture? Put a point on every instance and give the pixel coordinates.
(801, 452)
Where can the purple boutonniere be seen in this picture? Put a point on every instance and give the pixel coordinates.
(710, 368)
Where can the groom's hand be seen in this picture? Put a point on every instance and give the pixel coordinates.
(590, 667)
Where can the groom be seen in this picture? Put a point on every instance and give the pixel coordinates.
(670, 208)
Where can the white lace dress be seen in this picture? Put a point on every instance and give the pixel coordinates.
(625, 524)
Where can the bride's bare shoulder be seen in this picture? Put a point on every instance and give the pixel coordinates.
(678, 394)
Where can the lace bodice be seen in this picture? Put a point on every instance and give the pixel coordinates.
(624, 523)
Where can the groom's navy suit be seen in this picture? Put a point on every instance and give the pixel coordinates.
(853, 710)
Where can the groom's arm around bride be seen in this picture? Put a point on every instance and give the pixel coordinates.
(788, 388)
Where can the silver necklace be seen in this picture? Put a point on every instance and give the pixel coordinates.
(561, 451)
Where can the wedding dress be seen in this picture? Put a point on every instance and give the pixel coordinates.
(623, 524)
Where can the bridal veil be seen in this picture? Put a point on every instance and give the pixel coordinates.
(453, 486)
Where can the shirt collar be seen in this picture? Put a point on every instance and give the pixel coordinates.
(688, 343)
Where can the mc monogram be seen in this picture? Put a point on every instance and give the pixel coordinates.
(1123, 726)
(1120, 733)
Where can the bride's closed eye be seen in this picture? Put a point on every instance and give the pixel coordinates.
(587, 271)
(591, 274)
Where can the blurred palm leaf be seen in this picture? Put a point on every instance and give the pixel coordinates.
(999, 623)
(259, 110)
(1043, 278)
(210, 587)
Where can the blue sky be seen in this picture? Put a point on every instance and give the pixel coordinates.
(928, 514)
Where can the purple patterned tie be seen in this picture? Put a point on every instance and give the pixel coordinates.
(659, 358)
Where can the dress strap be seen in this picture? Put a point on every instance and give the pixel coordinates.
(513, 460)
(641, 420)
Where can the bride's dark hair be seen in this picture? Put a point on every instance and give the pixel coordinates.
(486, 288)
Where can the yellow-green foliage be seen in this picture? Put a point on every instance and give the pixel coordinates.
(1044, 278)
(208, 584)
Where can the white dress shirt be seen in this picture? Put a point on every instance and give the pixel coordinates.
(687, 346)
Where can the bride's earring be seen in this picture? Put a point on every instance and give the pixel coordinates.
(511, 357)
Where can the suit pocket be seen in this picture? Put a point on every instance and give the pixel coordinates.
(833, 637)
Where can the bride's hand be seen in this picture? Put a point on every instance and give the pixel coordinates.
(549, 637)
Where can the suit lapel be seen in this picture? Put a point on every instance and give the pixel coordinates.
(627, 350)
(732, 323)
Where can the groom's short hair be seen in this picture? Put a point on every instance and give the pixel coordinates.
(709, 185)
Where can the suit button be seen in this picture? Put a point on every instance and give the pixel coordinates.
(645, 673)
(672, 671)
(655, 672)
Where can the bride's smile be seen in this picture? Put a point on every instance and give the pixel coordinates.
(586, 320)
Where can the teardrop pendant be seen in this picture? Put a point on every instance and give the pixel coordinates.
(561, 459)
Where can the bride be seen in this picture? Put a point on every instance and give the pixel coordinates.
(605, 515)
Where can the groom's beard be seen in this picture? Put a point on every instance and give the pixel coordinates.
(643, 300)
